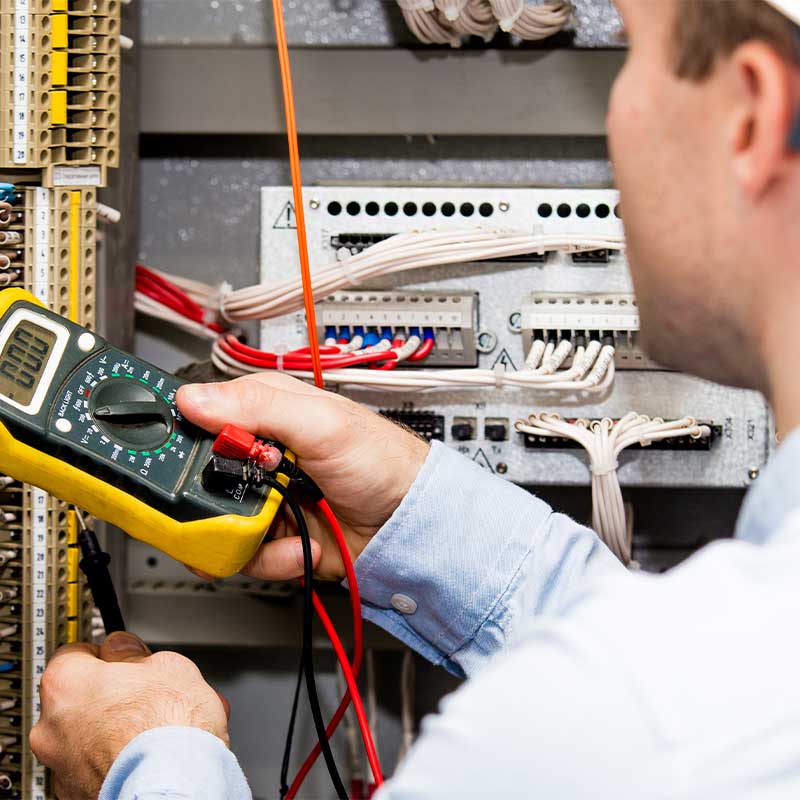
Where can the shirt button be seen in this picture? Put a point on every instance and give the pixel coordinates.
(404, 604)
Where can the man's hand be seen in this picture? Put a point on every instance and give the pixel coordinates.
(363, 463)
(97, 699)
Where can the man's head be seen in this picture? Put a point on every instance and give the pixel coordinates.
(700, 122)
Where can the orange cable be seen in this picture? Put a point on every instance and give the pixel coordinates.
(297, 189)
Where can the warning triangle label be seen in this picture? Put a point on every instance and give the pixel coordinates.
(505, 359)
(482, 461)
(286, 220)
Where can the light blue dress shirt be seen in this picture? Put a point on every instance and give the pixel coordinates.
(586, 680)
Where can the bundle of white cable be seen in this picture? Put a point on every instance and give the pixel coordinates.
(446, 21)
(604, 440)
(152, 308)
(592, 371)
(427, 24)
(406, 251)
(531, 22)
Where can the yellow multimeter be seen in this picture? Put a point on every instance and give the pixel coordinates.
(100, 429)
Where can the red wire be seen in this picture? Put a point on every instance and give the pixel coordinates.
(259, 358)
(297, 187)
(358, 705)
(357, 644)
(423, 351)
(166, 293)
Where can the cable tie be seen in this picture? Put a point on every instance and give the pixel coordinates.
(279, 350)
(507, 23)
(343, 254)
(603, 471)
(416, 5)
(499, 370)
(223, 290)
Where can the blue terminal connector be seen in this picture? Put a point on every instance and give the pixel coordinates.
(330, 332)
(7, 192)
(414, 332)
(428, 334)
(386, 333)
(344, 333)
(358, 330)
(371, 339)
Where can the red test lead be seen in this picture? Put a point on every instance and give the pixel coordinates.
(233, 442)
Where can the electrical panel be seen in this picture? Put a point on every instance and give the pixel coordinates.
(546, 295)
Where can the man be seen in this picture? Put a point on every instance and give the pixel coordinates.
(587, 680)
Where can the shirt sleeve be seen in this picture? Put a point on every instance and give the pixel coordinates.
(467, 558)
(175, 763)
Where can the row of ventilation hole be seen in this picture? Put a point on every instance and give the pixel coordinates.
(410, 209)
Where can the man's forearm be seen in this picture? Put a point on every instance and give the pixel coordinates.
(467, 558)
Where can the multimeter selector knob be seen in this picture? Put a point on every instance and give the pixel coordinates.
(131, 414)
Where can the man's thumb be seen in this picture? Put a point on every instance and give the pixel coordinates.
(123, 646)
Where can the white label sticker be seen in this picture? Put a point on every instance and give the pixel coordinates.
(41, 236)
(38, 620)
(22, 33)
(77, 176)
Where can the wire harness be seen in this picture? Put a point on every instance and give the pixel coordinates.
(449, 21)
(604, 440)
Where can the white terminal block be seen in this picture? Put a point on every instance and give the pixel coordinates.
(453, 316)
(564, 316)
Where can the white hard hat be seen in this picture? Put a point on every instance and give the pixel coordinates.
(789, 7)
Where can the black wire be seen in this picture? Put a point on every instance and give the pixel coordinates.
(287, 749)
(307, 657)
(308, 652)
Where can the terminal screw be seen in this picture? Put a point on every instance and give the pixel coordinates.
(313, 203)
(503, 206)
(501, 467)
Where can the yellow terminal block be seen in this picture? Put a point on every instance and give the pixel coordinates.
(58, 107)
(72, 631)
(60, 30)
(58, 72)
(72, 528)
(73, 562)
(73, 599)
(60, 5)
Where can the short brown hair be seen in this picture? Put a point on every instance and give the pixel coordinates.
(706, 30)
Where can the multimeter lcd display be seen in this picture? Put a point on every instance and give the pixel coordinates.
(23, 360)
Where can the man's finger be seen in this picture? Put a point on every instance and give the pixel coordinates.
(75, 650)
(281, 559)
(264, 405)
(123, 646)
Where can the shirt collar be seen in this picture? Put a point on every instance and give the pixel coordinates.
(775, 494)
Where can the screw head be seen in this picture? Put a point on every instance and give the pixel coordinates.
(314, 203)
(515, 322)
(486, 342)
(753, 473)
(501, 467)
(503, 205)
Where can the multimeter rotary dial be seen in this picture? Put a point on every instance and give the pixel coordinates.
(131, 413)
(124, 412)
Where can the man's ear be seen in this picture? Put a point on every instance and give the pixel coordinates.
(763, 121)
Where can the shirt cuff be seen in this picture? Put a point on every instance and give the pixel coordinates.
(437, 572)
(173, 763)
